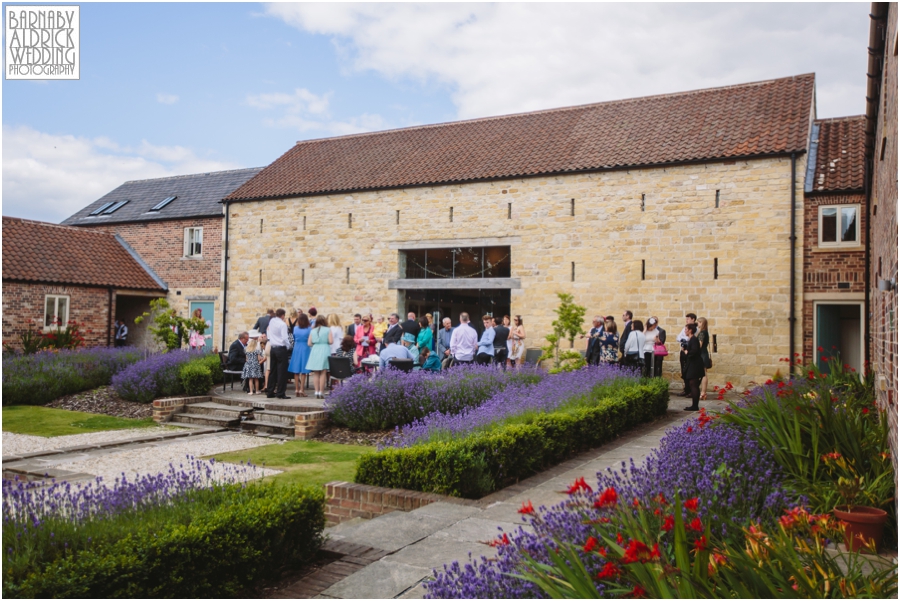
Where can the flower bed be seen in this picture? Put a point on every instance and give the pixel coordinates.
(393, 398)
(41, 377)
(474, 465)
(173, 535)
(168, 374)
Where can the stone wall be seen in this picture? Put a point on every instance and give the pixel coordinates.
(830, 273)
(884, 235)
(307, 246)
(23, 309)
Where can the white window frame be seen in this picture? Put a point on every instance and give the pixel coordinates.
(838, 243)
(862, 327)
(64, 318)
(189, 242)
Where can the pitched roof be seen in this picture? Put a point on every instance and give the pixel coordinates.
(769, 117)
(45, 252)
(197, 195)
(840, 155)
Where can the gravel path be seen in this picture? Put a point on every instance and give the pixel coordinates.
(24, 443)
(156, 459)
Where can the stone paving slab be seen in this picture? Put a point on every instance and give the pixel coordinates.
(383, 579)
(475, 530)
(399, 529)
(436, 551)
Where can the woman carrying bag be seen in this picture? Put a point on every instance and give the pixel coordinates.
(658, 336)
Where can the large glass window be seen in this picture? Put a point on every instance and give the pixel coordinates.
(458, 263)
(839, 225)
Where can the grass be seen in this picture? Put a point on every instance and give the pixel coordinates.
(44, 421)
(303, 462)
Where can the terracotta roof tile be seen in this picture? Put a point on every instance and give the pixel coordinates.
(46, 252)
(840, 156)
(769, 117)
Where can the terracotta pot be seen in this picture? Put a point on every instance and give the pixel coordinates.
(863, 524)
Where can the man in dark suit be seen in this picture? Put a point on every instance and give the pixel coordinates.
(626, 330)
(501, 335)
(357, 321)
(237, 356)
(411, 326)
(263, 322)
(592, 354)
(394, 332)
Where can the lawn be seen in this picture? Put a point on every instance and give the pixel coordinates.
(303, 462)
(43, 421)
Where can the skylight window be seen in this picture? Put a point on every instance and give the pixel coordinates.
(115, 207)
(163, 203)
(103, 208)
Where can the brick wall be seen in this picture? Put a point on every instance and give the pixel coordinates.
(345, 501)
(825, 268)
(884, 236)
(161, 245)
(23, 302)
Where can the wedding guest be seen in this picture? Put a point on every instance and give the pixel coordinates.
(627, 316)
(592, 352)
(320, 341)
(682, 339)
(658, 335)
(633, 347)
(609, 341)
(443, 346)
(357, 321)
(703, 339)
(278, 356)
(263, 322)
(517, 333)
(337, 332)
(501, 337)
(394, 332)
(300, 354)
(463, 341)
(486, 344)
(348, 350)
(432, 363)
(365, 338)
(252, 371)
(426, 337)
(693, 371)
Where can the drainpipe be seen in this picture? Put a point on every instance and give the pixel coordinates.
(225, 283)
(109, 318)
(792, 317)
(866, 316)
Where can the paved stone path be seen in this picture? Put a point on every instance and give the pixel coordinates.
(389, 556)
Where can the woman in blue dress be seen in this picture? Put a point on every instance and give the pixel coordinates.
(300, 355)
(320, 341)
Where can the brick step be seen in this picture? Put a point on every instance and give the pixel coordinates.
(206, 420)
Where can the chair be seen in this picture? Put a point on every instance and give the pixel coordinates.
(405, 365)
(340, 368)
(533, 355)
(223, 359)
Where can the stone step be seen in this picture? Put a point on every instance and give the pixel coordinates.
(206, 420)
(261, 402)
(286, 418)
(217, 409)
(260, 426)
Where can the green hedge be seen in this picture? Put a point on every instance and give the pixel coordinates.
(484, 462)
(219, 554)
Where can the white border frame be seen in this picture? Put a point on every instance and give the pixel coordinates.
(862, 329)
(838, 244)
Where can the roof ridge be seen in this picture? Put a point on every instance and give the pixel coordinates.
(59, 225)
(559, 109)
(157, 179)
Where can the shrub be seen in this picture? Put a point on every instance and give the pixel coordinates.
(42, 377)
(155, 376)
(195, 378)
(393, 398)
(486, 461)
(172, 535)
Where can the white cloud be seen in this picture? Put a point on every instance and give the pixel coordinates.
(167, 98)
(49, 177)
(509, 57)
(306, 112)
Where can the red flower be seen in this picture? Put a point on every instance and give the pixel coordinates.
(669, 523)
(527, 508)
(824, 359)
(820, 349)
(661, 499)
(608, 498)
(690, 429)
(638, 592)
(637, 503)
(619, 538)
(865, 410)
(609, 571)
(591, 544)
(579, 484)
(636, 551)
(700, 544)
(692, 504)
(654, 554)
(695, 525)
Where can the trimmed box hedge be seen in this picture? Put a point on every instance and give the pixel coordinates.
(479, 464)
(218, 554)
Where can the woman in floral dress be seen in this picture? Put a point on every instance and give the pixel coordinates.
(609, 342)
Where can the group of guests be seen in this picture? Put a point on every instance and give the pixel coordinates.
(502, 342)
(643, 347)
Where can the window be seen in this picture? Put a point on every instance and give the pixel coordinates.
(162, 204)
(456, 263)
(115, 207)
(839, 225)
(102, 208)
(56, 310)
(193, 241)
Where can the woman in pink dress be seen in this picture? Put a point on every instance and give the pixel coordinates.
(364, 337)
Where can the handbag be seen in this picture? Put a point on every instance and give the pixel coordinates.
(660, 350)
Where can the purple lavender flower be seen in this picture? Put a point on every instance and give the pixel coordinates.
(155, 376)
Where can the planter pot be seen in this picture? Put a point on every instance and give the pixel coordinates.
(863, 524)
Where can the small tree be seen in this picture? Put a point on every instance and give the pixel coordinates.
(169, 328)
(567, 325)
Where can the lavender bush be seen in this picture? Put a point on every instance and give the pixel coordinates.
(39, 378)
(155, 376)
(393, 398)
(733, 477)
(516, 402)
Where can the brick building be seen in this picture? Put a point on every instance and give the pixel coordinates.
(834, 250)
(661, 205)
(881, 180)
(55, 272)
(175, 225)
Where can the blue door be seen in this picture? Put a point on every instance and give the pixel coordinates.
(207, 311)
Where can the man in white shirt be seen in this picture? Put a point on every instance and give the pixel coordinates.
(682, 339)
(464, 341)
(277, 333)
(394, 351)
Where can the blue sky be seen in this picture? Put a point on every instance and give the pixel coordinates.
(169, 89)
